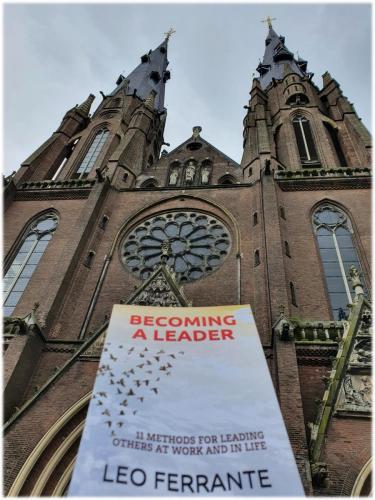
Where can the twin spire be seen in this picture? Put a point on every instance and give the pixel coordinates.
(149, 76)
(278, 60)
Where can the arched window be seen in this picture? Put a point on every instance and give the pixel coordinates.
(92, 154)
(333, 136)
(305, 141)
(28, 255)
(334, 235)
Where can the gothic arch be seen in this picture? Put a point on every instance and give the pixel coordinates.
(338, 250)
(355, 233)
(148, 183)
(362, 486)
(227, 179)
(52, 451)
(11, 252)
(86, 144)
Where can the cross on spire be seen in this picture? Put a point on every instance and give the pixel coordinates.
(169, 33)
(268, 20)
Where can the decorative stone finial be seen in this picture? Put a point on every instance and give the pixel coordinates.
(196, 131)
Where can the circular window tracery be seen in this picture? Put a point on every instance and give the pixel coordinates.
(192, 244)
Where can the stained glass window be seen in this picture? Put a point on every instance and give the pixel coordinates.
(334, 235)
(192, 244)
(26, 260)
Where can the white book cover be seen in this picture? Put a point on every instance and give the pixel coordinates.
(183, 404)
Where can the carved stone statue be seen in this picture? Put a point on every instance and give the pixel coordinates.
(205, 175)
(173, 177)
(190, 171)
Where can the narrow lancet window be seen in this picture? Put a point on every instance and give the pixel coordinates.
(26, 259)
(337, 251)
(305, 141)
(92, 154)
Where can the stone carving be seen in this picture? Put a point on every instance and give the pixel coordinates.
(158, 294)
(173, 177)
(361, 356)
(355, 394)
(14, 326)
(319, 473)
(205, 175)
(190, 171)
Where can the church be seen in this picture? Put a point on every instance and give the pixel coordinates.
(102, 214)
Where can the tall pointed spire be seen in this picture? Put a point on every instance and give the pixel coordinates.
(150, 74)
(278, 60)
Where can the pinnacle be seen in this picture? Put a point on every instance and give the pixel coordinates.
(84, 108)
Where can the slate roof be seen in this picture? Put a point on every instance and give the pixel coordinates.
(150, 74)
(278, 60)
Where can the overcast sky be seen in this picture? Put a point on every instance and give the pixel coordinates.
(55, 55)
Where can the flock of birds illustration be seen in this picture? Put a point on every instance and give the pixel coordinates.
(131, 388)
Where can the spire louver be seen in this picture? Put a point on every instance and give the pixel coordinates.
(278, 60)
(150, 75)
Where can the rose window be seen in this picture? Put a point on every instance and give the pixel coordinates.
(192, 244)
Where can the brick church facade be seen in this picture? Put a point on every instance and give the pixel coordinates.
(102, 214)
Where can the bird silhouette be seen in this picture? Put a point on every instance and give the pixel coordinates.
(124, 403)
(168, 373)
(130, 350)
(121, 382)
(141, 366)
(134, 412)
(106, 412)
(120, 346)
(112, 357)
(160, 352)
(108, 422)
(181, 352)
(131, 371)
(137, 383)
(130, 393)
(113, 433)
(120, 424)
(145, 349)
(118, 391)
(163, 368)
(154, 389)
(157, 358)
(172, 356)
(168, 365)
(99, 403)
(103, 394)
(146, 382)
(149, 372)
(141, 355)
(141, 399)
(148, 362)
(111, 382)
(122, 412)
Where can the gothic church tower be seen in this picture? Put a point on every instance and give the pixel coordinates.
(102, 214)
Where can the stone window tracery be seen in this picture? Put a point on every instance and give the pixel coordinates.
(337, 251)
(29, 253)
(192, 244)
